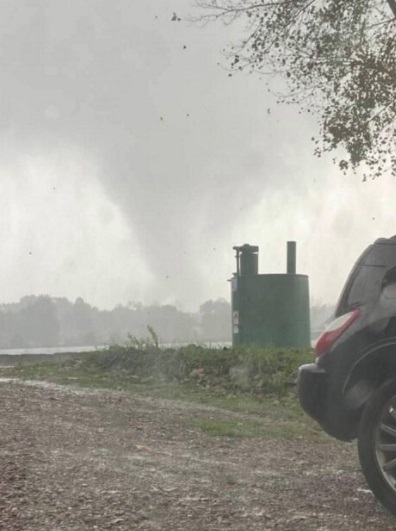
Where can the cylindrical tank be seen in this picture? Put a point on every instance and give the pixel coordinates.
(271, 309)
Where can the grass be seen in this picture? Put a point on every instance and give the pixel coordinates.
(250, 380)
(262, 427)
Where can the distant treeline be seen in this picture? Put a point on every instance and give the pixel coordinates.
(44, 321)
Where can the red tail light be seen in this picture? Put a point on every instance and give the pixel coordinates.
(334, 331)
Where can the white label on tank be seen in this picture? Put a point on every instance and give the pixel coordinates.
(235, 329)
(235, 318)
(234, 283)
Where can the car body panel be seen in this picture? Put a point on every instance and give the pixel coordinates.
(334, 389)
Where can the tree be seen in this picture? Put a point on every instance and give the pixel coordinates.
(83, 325)
(37, 324)
(338, 59)
(216, 320)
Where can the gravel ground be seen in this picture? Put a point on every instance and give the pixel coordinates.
(82, 460)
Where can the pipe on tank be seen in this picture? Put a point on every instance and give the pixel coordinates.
(291, 258)
(247, 259)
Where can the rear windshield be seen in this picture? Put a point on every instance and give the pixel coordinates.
(364, 282)
(355, 292)
(374, 268)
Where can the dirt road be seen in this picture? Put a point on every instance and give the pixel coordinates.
(83, 460)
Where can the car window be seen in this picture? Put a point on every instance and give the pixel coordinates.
(389, 285)
(358, 290)
(370, 278)
(363, 286)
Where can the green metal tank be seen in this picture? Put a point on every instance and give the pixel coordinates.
(269, 309)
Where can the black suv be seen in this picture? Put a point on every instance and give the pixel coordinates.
(351, 388)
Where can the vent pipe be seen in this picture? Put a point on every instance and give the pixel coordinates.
(291, 258)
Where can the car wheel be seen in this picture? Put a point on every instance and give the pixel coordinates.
(377, 444)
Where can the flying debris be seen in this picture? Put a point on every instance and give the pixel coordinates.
(175, 18)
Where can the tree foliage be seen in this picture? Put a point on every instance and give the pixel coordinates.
(338, 58)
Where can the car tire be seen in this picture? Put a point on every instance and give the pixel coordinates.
(377, 444)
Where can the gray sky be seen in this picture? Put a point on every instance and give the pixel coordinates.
(131, 163)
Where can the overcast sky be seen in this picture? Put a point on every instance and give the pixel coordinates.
(130, 162)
